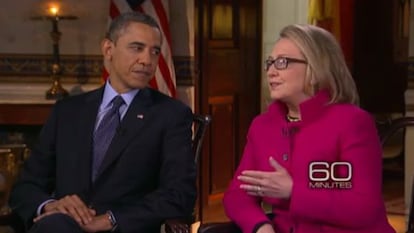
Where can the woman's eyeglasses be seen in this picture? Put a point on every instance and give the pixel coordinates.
(281, 63)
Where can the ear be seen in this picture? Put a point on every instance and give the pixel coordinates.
(106, 48)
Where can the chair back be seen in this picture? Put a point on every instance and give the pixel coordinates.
(393, 127)
(201, 123)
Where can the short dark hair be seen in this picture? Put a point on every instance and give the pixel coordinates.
(123, 20)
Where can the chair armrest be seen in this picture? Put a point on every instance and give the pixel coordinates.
(177, 226)
(224, 227)
(219, 227)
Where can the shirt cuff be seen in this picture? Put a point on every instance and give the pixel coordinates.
(112, 219)
(40, 208)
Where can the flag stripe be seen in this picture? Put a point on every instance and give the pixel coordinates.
(153, 83)
(164, 79)
(149, 8)
(162, 19)
(113, 10)
(157, 82)
(166, 75)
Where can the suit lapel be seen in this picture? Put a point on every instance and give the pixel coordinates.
(133, 120)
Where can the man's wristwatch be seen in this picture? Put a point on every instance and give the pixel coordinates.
(112, 220)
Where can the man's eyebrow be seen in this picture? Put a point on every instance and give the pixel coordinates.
(137, 43)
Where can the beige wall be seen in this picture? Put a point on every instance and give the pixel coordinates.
(22, 35)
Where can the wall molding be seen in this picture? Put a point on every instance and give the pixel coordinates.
(36, 68)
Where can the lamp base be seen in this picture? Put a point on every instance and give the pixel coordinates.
(56, 92)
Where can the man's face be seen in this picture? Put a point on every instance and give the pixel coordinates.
(133, 58)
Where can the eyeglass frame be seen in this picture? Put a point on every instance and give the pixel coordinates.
(269, 61)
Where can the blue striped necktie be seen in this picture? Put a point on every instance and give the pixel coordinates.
(104, 133)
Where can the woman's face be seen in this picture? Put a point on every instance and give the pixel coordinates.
(286, 70)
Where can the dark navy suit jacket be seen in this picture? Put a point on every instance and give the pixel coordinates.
(148, 173)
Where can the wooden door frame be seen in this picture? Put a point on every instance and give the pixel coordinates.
(201, 94)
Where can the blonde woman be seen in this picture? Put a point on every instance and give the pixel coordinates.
(314, 156)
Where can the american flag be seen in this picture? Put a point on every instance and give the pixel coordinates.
(164, 79)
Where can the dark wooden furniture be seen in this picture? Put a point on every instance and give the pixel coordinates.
(228, 57)
(21, 115)
(380, 54)
(24, 114)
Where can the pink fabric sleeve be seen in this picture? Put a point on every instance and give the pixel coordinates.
(356, 207)
(243, 209)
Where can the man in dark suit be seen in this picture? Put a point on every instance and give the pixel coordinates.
(146, 175)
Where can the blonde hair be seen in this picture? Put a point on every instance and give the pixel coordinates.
(326, 68)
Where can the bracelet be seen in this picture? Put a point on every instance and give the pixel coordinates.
(112, 219)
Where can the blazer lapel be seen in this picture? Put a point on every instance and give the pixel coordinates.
(133, 120)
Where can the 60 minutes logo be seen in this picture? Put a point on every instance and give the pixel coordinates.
(322, 175)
